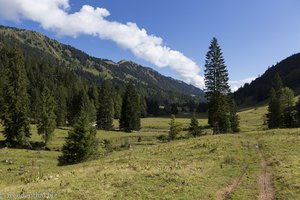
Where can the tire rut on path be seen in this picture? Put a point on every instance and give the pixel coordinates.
(225, 192)
(265, 179)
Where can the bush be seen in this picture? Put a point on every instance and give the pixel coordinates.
(107, 145)
(163, 138)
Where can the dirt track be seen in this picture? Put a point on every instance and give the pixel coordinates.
(225, 192)
(265, 180)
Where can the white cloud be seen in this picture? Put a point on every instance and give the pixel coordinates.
(53, 15)
(237, 84)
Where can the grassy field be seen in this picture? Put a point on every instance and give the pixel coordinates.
(228, 166)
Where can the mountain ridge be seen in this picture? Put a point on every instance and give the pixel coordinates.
(119, 72)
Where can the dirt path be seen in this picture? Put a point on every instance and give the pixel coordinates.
(265, 180)
(225, 192)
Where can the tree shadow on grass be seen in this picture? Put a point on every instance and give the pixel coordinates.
(31, 146)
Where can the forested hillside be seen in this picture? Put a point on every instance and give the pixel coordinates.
(259, 89)
(38, 47)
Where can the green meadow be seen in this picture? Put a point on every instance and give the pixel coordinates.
(139, 166)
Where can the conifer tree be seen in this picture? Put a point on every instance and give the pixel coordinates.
(287, 97)
(274, 110)
(34, 103)
(81, 103)
(61, 107)
(81, 143)
(217, 89)
(192, 105)
(143, 106)
(47, 118)
(219, 114)
(130, 114)
(290, 117)
(93, 94)
(153, 107)
(277, 82)
(280, 110)
(194, 129)
(234, 118)
(298, 111)
(289, 112)
(3, 63)
(175, 128)
(15, 116)
(105, 111)
(216, 75)
(87, 107)
(174, 109)
(75, 95)
(275, 107)
(117, 105)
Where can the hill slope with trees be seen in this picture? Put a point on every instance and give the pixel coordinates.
(259, 89)
(95, 70)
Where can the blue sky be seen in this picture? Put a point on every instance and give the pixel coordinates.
(252, 34)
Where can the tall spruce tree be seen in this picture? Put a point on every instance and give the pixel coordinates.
(217, 89)
(47, 118)
(15, 115)
(130, 114)
(105, 111)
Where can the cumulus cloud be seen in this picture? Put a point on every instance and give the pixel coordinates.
(53, 15)
(237, 84)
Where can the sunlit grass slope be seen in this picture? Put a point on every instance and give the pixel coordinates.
(194, 168)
